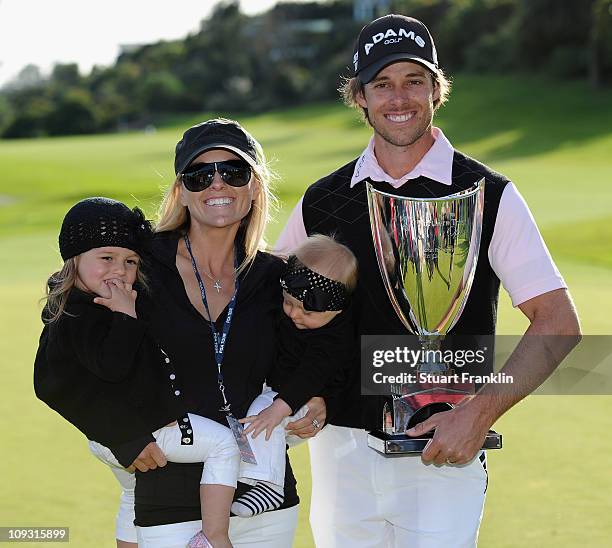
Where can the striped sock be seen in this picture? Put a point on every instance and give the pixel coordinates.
(263, 497)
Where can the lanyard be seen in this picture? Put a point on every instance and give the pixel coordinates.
(218, 339)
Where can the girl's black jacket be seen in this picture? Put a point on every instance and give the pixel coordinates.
(171, 494)
(102, 371)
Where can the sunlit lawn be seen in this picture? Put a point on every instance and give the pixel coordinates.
(550, 485)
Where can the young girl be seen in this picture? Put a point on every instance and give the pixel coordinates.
(97, 366)
(315, 339)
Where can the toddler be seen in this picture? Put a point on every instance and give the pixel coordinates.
(97, 366)
(315, 340)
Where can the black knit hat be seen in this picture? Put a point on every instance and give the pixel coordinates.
(102, 222)
(215, 133)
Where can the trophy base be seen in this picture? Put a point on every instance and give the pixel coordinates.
(397, 445)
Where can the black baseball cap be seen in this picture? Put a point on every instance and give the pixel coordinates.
(215, 133)
(390, 39)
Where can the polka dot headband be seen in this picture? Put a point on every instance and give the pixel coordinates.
(316, 292)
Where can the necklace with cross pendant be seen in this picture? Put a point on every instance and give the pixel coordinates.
(217, 281)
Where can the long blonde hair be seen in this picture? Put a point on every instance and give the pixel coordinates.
(172, 215)
(58, 288)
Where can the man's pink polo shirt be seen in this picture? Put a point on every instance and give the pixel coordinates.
(517, 252)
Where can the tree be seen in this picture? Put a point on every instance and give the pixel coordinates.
(474, 35)
(74, 113)
(28, 77)
(162, 92)
(30, 121)
(554, 36)
(215, 56)
(66, 75)
(6, 113)
(600, 51)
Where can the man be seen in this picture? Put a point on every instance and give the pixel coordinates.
(359, 497)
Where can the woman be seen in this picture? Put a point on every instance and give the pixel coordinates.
(205, 264)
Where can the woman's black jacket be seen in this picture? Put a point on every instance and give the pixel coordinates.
(171, 494)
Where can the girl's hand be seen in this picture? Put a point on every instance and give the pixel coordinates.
(123, 298)
(150, 458)
(268, 419)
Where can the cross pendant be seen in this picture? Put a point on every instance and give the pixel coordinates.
(217, 286)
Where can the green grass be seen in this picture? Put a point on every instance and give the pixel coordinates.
(550, 485)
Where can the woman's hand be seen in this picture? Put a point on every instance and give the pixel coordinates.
(122, 299)
(150, 458)
(313, 421)
(267, 419)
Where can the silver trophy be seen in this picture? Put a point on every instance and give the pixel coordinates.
(427, 250)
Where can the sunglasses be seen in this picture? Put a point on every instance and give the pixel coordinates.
(199, 177)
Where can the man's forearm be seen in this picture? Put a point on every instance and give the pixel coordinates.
(545, 344)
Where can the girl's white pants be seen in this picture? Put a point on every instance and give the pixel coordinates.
(271, 454)
(213, 444)
(361, 499)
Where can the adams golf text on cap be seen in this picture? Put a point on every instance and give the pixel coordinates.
(390, 39)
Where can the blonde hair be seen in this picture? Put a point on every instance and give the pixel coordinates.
(352, 87)
(172, 215)
(60, 285)
(328, 257)
(58, 288)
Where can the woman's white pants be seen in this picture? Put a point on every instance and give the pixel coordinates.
(269, 530)
(124, 522)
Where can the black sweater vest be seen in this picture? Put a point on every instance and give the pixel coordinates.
(331, 206)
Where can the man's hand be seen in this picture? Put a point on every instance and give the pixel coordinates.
(458, 437)
(553, 331)
(312, 422)
(150, 458)
(122, 299)
(267, 419)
